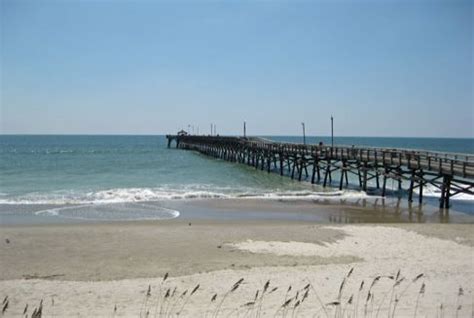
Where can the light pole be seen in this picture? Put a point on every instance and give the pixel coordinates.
(304, 134)
(245, 129)
(211, 129)
(332, 131)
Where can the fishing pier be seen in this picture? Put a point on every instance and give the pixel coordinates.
(451, 173)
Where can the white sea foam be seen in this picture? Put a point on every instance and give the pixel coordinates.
(121, 195)
(432, 191)
(195, 192)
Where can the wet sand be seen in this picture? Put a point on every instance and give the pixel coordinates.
(146, 249)
(330, 210)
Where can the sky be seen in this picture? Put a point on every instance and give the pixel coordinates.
(381, 68)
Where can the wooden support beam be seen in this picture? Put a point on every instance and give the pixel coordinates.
(365, 177)
(293, 170)
(330, 171)
(314, 171)
(420, 193)
(343, 169)
(448, 191)
(442, 199)
(326, 175)
(300, 170)
(281, 164)
(347, 178)
(412, 183)
(359, 175)
(384, 184)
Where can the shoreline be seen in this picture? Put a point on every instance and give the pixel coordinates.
(321, 211)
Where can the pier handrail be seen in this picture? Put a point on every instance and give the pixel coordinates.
(264, 142)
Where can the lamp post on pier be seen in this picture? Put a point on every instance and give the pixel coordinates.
(304, 134)
(332, 131)
(245, 129)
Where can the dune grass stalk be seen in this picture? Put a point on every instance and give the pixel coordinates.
(341, 290)
(356, 306)
(369, 296)
(38, 312)
(250, 305)
(145, 301)
(323, 307)
(164, 301)
(294, 308)
(397, 298)
(213, 299)
(262, 295)
(230, 291)
(160, 291)
(193, 291)
(175, 303)
(458, 307)
(303, 299)
(348, 303)
(396, 284)
(5, 304)
(381, 302)
(420, 293)
(170, 302)
(286, 302)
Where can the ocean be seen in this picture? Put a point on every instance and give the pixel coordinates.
(85, 170)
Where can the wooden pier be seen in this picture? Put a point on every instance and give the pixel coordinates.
(451, 173)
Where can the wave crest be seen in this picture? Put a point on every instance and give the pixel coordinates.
(122, 195)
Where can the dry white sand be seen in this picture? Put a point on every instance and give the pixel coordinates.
(446, 264)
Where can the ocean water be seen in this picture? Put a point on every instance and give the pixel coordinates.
(88, 171)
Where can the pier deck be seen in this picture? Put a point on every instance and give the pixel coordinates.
(451, 173)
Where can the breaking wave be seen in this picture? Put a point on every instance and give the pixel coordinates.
(196, 192)
(123, 195)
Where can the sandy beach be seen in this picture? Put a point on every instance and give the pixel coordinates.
(236, 159)
(241, 268)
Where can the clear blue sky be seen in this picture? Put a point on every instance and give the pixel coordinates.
(382, 68)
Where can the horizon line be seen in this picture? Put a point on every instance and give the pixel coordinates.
(230, 135)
